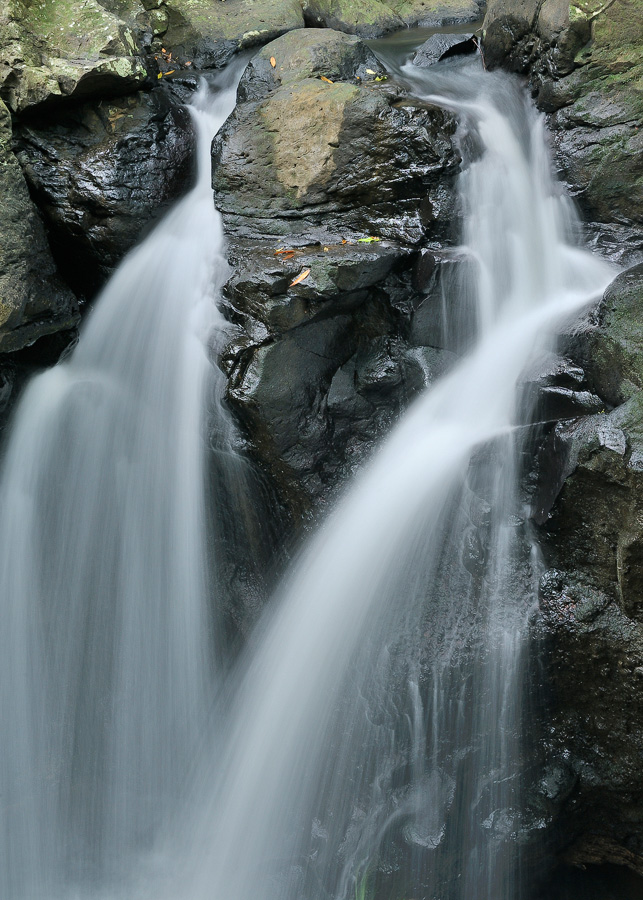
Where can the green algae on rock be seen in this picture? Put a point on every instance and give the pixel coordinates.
(54, 49)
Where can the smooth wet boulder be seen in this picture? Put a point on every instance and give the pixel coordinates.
(373, 18)
(33, 301)
(585, 65)
(102, 172)
(207, 33)
(58, 50)
(590, 506)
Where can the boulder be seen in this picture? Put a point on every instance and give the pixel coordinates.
(33, 301)
(324, 149)
(373, 18)
(327, 179)
(439, 46)
(56, 50)
(102, 173)
(585, 67)
(207, 33)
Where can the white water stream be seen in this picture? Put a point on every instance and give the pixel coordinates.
(105, 650)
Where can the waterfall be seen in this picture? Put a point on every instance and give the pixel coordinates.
(376, 723)
(106, 675)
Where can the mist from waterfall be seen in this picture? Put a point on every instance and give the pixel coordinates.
(374, 730)
(106, 663)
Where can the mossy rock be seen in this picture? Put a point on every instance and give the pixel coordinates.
(373, 18)
(208, 33)
(57, 49)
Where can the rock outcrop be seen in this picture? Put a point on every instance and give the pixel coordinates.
(33, 301)
(585, 67)
(591, 622)
(102, 173)
(373, 18)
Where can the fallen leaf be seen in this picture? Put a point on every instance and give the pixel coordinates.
(273, 61)
(160, 75)
(370, 72)
(382, 78)
(170, 72)
(327, 80)
(300, 277)
(325, 249)
(188, 63)
(287, 254)
(368, 240)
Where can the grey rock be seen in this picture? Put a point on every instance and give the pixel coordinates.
(33, 301)
(438, 46)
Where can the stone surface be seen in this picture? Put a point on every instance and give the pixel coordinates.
(56, 49)
(373, 18)
(208, 33)
(321, 161)
(336, 173)
(438, 46)
(586, 70)
(33, 302)
(591, 609)
(102, 173)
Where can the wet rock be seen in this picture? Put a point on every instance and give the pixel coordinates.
(33, 301)
(373, 18)
(208, 34)
(320, 162)
(439, 46)
(610, 346)
(585, 69)
(322, 175)
(590, 507)
(102, 173)
(59, 50)
(317, 371)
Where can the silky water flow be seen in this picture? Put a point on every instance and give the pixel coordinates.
(374, 735)
(106, 675)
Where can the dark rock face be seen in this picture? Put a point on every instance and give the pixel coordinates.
(591, 622)
(102, 172)
(584, 62)
(310, 182)
(33, 301)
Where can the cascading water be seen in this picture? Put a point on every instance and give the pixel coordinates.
(105, 666)
(376, 725)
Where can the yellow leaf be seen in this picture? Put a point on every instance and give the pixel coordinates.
(160, 75)
(368, 240)
(370, 72)
(170, 72)
(325, 249)
(327, 80)
(273, 61)
(300, 277)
